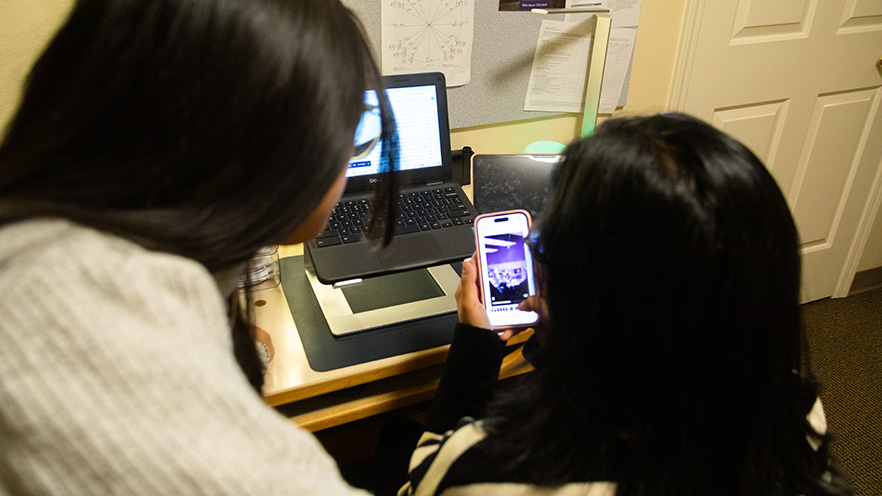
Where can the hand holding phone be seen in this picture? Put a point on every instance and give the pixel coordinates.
(469, 308)
(505, 267)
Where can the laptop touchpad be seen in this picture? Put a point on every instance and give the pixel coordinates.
(409, 249)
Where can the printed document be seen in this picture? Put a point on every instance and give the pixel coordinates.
(560, 65)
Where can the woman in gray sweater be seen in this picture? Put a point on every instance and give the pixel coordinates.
(157, 147)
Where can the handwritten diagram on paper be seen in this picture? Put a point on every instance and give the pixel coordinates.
(429, 35)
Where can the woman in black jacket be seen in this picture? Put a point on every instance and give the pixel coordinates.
(673, 357)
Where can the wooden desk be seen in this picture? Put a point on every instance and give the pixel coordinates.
(390, 383)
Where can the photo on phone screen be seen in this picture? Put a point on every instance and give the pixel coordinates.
(506, 267)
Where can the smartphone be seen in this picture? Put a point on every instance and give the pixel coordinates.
(505, 267)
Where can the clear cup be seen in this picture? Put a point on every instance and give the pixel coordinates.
(263, 269)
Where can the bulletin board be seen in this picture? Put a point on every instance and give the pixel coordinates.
(502, 58)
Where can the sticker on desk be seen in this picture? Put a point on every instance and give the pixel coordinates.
(264, 346)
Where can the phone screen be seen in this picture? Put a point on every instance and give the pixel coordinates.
(506, 267)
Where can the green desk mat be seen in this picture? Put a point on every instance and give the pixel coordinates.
(325, 352)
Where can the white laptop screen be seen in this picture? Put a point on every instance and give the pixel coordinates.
(416, 115)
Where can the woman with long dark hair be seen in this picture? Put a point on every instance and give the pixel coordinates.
(673, 358)
(158, 146)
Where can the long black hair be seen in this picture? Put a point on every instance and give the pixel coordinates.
(675, 359)
(202, 128)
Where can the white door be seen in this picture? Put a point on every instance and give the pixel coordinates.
(797, 82)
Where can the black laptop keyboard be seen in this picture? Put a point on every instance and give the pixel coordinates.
(418, 211)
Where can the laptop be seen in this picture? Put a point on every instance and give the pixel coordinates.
(513, 181)
(435, 218)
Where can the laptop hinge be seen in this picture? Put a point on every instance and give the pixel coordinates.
(434, 183)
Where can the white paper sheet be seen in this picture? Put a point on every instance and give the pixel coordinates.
(428, 35)
(560, 66)
(624, 12)
(617, 74)
(618, 61)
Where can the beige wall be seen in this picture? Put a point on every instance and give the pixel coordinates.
(872, 256)
(25, 28)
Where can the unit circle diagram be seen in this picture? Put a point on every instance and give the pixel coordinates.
(428, 31)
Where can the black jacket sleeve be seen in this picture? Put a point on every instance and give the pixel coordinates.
(467, 381)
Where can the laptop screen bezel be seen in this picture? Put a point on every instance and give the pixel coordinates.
(362, 184)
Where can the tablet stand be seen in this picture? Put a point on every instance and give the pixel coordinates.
(361, 305)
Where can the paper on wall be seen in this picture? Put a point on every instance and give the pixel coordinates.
(625, 16)
(428, 35)
(618, 63)
(560, 66)
(624, 13)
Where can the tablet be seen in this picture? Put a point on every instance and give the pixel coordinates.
(512, 181)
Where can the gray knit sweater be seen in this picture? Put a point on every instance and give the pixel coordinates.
(117, 377)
